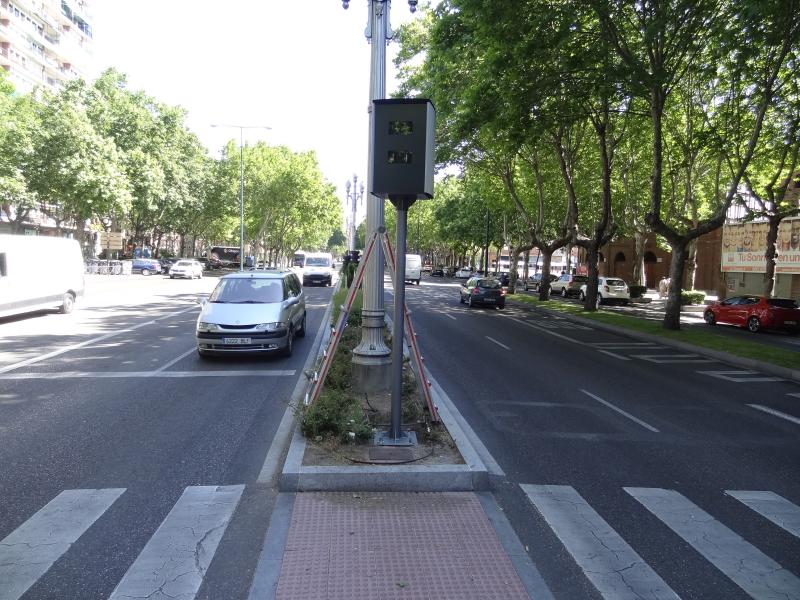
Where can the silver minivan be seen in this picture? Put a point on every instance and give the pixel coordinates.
(252, 311)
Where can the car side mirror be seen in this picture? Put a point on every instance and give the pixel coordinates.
(201, 300)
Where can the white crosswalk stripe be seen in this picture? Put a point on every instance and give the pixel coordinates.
(771, 506)
(174, 561)
(748, 567)
(618, 572)
(612, 566)
(29, 551)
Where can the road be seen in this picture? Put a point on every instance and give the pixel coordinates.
(628, 469)
(109, 415)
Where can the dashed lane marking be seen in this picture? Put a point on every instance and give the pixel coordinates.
(776, 413)
(622, 412)
(491, 339)
(609, 353)
(674, 358)
(740, 376)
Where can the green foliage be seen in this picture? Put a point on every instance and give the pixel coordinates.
(692, 297)
(335, 413)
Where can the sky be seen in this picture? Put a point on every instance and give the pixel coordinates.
(300, 67)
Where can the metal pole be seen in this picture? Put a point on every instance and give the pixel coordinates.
(399, 324)
(241, 198)
(371, 357)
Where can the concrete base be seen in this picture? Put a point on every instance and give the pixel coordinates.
(372, 375)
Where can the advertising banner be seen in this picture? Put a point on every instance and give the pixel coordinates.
(744, 245)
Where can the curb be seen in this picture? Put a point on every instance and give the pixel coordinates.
(471, 476)
(732, 359)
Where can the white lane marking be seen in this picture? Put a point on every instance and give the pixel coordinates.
(449, 316)
(491, 339)
(613, 567)
(739, 376)
(622, 412)
(542, 329)
(143, 374)
(614, 354)
(674, 358)
(794, 395)
(771, 506)
(176, 558)
(174, 360)
(31, 549)
(748, 567)
(776, 413)
(622, 345)
(101, 338)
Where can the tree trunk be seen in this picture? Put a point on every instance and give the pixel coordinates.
(672, 316)
(638, 258)
(592, 257)
(544, 285)
(691, 265)
(770, 255)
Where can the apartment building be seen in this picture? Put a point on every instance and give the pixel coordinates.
(44, 42)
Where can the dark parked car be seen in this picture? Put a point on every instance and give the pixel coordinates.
(756, 313)
(503, 278)
(534, 281)
(145, 266)
(437, 272)
(482, 290)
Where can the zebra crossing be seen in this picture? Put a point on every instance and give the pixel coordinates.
(617, 571)
(171, 565)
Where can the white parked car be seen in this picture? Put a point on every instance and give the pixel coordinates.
(186, 268)
(609, 289)
(463, 273)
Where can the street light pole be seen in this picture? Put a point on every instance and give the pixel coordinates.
(372, 357)
(356, 196)
(241, 129)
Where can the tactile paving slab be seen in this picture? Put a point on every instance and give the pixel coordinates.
(394, 546)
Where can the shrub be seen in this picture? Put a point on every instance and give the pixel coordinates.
(637, 291)
(692, 297)
(335, 413)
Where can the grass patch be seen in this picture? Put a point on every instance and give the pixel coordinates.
(339, 298)
(701, 338)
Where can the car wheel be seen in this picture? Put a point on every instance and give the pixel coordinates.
(302, 331)
(753, 324)
(582, 296)
(146, 272)
(469, 301)
(501, 306)
(289, 348)
(172, 276)
(417, 281)
(599, 300)
(67, 304)
(709, 318)
(200, 276)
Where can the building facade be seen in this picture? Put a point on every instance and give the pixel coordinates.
(44, 42)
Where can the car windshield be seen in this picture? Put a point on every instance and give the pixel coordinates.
(489, 284)
(238, 290)
(580, 279)
(318, 262)
(183, 263)
(782, 302)
(614, 282)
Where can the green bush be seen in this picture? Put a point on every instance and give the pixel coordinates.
(692, 297)
(637, 291)
(335, 413)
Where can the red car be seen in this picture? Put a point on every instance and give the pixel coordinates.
(756, 313)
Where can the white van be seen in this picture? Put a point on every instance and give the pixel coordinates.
(318, 269)
(39, 272)
(413, 268)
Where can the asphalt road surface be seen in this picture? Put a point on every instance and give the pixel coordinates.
(628, 469)
(119, 441)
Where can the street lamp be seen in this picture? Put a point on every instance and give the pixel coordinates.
(372, 357)
(355, 197)
(241, 129)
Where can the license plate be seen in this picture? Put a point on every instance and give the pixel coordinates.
(790, 322)
(489, 300)
(235, 341)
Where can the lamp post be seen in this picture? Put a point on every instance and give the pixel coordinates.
(356, 196)
(241, 129)
(372, 357)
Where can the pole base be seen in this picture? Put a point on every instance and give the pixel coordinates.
(384, 438)
(371, 375)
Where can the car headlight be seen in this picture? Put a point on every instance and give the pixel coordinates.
(207, 327)
(271, 326)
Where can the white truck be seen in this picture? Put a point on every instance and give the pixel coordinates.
(413, 268)
(38, 273)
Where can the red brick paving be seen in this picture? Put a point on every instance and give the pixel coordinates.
(394, 546)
